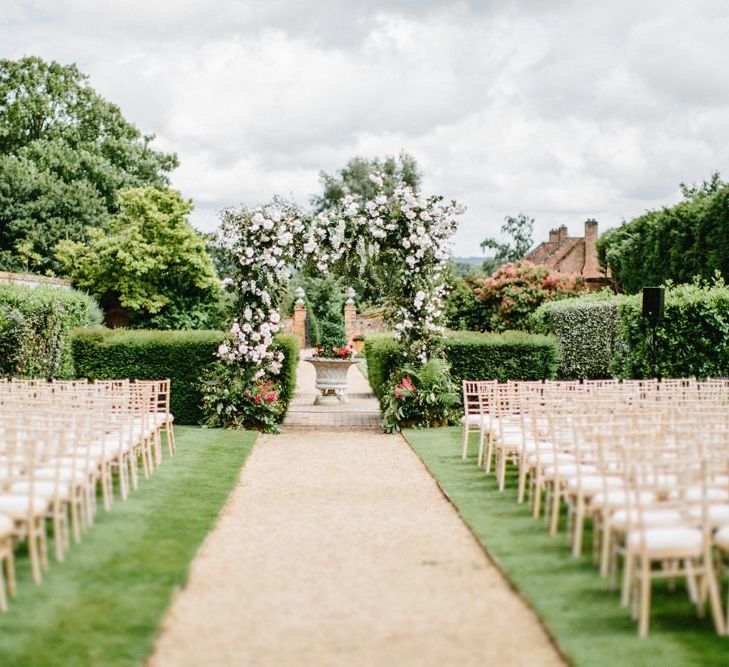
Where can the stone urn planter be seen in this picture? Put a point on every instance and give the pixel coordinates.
(331, 379)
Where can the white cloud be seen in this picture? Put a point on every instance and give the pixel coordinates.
(562, 110)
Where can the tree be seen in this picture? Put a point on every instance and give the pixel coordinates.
(151, 262)
(674, 243)
(519, 231)
(354, 179)
(65, 153)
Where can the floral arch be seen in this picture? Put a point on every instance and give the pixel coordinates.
(399, 236)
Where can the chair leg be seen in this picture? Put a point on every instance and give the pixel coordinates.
(169, 427)
(579, 521)
(629, 563)
(464, 449)
(645, 598)
(10, 569)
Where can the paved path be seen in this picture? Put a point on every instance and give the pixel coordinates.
(337, 548)
(362, 411)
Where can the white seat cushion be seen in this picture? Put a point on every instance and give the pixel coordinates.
(650, 518)
(592, 484)
(569, 469)
(6, 525)
(721, 538)
(696, 493)
(41, 489)
(18, 507)
(618, 498)
(718, 515)
(679, 542)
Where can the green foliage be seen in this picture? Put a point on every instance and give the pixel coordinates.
(586, 329)
(35, 323)
(65, 152)
(420, 397)
(151, 262)
(519, 230)
(105, 354)
(692, 338)
(601, 336)
(463, 311)
(332, 334)
(384, 358)
(677, 243)
(354, 179)
(514, 291)
(232, 397)
(513, 355)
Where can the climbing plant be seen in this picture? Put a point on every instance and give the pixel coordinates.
(399, 236)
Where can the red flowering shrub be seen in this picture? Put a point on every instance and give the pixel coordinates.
(515, 290)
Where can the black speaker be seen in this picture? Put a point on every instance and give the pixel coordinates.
(653, 303)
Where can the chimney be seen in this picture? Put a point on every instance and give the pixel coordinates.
(592, 266)
(562, 231)
(554, 236)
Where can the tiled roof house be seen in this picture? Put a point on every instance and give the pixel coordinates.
(572, 254)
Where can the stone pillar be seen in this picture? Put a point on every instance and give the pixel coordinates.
(592, 266)
(300, 317)
(350, 316)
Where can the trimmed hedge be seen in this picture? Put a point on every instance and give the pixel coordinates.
(692, 339)
(512, 355)
(603, 337)
(101, 353)
(586, 329)
(35, 326)
(383, 359)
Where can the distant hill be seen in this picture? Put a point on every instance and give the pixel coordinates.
(470, 260)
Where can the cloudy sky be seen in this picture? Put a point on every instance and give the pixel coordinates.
(563, 109)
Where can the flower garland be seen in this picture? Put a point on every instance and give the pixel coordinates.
(400, 236)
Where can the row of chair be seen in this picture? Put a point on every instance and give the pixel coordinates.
(60, 443)
(646, 462)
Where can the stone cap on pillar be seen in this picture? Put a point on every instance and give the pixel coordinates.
(350, 296)
(300, 294)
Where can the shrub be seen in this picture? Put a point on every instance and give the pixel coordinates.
(35, 323)
(513, 355)
(182, 356)
(332, 334)
(692, 338)
(420, 398)
(602, 337)
(463, 311)
(586, 329)
(383, 359)
(513, 291)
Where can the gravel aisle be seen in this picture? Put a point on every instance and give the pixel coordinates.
(337, 548)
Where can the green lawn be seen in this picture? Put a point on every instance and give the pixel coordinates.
(578, 607)
(103, 606)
